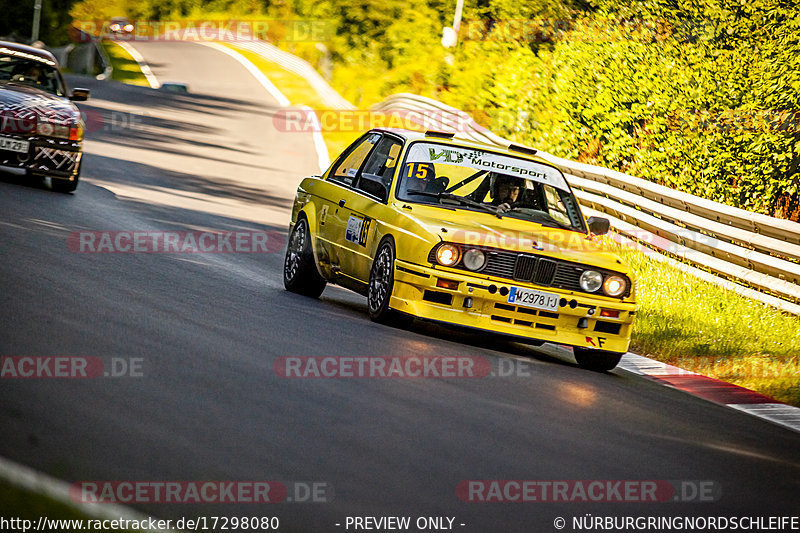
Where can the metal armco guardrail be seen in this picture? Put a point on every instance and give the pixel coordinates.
(755, 251)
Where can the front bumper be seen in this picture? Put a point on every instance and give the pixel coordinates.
(45, 157)
(474, 304)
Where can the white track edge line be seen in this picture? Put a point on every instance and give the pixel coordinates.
(143, 66)
(784, 415)
(322, 150)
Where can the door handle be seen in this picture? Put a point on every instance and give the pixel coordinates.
(342, 202)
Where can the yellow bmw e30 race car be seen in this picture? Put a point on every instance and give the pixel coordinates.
(428, 226)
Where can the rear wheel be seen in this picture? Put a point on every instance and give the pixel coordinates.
(381, 285)
(597, 360)
(66, 186)
(300, 273)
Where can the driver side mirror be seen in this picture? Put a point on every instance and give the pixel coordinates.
(598, 225)
(374, 185)
(79, 95)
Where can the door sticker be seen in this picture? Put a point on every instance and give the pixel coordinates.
(357, 229)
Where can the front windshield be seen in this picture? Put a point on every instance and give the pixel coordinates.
(20, 70)
(477, 180)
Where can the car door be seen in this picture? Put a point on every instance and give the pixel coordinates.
(367, 205)
(334, 194)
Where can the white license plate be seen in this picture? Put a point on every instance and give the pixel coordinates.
(14, 145)
(545, 301)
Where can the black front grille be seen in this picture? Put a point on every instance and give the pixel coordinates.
(500, 264)
(545, 271)
(535, 269)
(525, 267)
(538, 270)
(567, 277)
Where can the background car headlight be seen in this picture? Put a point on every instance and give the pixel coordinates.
(448, 255)
(591, 280)
(474, 259)
(615, 286)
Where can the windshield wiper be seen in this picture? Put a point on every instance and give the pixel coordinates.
(466, 201)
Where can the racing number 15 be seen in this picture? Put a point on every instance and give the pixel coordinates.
(417, 170)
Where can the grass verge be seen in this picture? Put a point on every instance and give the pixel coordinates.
(126, 69)
(26, 505)
(705, 328)
(682, 320)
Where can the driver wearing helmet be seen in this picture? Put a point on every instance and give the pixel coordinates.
(506, 191)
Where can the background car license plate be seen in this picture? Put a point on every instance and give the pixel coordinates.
(535, 299)
(14, 145)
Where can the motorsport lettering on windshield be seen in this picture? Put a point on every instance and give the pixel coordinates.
(480, 160)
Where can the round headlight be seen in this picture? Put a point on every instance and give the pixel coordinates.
(474, 259)
(448, 255)
(615, 286)
(591, 280)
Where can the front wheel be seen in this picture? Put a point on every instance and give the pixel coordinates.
(381, 285)
(300, 273)
(597, 360)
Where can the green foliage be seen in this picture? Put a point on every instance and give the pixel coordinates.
(17, 20)
(702, 97)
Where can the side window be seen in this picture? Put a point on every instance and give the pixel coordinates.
(377, 173)
(384, 159)
(347, 168)
(556, 207)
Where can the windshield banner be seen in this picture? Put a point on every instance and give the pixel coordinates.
(480, 160)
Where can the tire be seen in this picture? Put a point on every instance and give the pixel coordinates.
(64, 186)
(59, 185)
(596, 360)
(381, 285)
(300, 273)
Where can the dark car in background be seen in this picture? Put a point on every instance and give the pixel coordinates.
(41, 130)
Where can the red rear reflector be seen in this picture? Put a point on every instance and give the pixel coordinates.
(447, 284)
(611, 313)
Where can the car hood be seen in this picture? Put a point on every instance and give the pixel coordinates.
(486, 230)
(26, 102)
